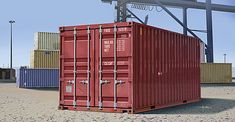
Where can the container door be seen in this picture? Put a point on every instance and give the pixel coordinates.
(78, 67)
(113, 64)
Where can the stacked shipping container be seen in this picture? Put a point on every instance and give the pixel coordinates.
(46, 41)
(46, 50)
(44, 59)
(44, 63)
(127, 67)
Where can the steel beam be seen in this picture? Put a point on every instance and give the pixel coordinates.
(185, 21)
(121, 10)
(210, 51)
(122, 14)
(175, 18)
(181, 4)
(135, 16)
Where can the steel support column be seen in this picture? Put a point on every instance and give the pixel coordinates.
(121, 11)
(185, 21)
(210, 51)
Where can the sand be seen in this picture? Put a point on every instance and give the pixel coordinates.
(40, 105)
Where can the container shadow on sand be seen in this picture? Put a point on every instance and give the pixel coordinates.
(7, 81)
(205, 106)
(43, 89)
(218, 84)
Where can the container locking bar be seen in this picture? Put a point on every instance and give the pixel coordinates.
(100, 69)
(88, 67)
(115, 67)
(101, 81)
(75, 67)
(116, 82)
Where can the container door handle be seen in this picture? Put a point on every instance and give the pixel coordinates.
(75, 67)
(104, 82)
(88, 68)
(84, 82)
(119, 82)
(71, 82)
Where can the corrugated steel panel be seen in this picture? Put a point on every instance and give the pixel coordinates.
(46, 41)
(32, 59)
(203, 52)
(155, 68)
(233, 74)
(37, 78)
(44, 59)
(216, 73)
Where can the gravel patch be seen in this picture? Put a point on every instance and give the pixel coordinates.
(40, 105)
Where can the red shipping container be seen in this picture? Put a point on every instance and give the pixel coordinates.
(127, 67)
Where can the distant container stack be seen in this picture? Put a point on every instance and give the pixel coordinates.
(46, 50)
(37, 78)
(5, 74)
(44, 63)
(216, 73)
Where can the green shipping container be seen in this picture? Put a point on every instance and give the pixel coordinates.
(216, 73)
(44, 59)
(46, 41)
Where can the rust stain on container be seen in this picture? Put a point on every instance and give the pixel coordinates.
(127, 67)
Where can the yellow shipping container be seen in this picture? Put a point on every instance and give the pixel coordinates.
(44, 59)
(216, 73)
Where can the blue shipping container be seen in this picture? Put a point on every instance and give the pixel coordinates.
(37, 78)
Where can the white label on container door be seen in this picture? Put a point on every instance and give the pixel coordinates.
(108, 63)
(110, 43)
(122, 29)
(68, 89)
(107, 45)
(121, 45)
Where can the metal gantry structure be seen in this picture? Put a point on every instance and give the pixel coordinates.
(123, 13)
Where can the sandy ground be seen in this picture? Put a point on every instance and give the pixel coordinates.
(25, 105)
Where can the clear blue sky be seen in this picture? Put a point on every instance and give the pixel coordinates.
(47, 15)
